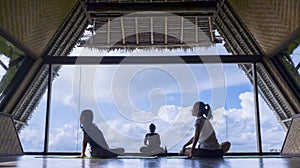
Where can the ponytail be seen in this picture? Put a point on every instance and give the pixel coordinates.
(208, 111)
(205, 110)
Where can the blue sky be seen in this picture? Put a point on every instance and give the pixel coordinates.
(126, 99)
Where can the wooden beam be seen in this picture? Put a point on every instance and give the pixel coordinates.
(108, 31)
(181, 31)
(148, 14)
(136, 30)
(196, 29)
(122, 30)
(186, 59)
(94, 25)
(151, 30)
(256, 108)
(174, 7)
(166, 30)
(147, 45)
(210, 30)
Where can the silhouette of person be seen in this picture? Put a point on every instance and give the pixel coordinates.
(204, 135)
(94, 136)
(152, 142)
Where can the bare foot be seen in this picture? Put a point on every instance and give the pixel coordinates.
(225, 146)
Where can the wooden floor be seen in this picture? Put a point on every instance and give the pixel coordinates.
(29, 161)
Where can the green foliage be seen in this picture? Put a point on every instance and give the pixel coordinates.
(288, 62)
(291, 47)
(9, 50)
(6, 79)
(12, 52)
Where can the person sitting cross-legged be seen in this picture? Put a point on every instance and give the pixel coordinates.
(152, 142)
(204, 135)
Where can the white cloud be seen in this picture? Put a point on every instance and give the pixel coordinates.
(175, 125)
(130, 86)
(241, 126)
(32, 139)
(168, 113)
(172, 124)
(65, 138)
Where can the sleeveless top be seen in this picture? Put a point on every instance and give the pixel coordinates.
(207, 137)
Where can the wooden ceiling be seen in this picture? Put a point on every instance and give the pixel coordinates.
(166, 24)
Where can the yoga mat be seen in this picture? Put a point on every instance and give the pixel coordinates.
(250, 157)
(61, 157)
(177, 157)
(136, 157)
(72, 157)
(119, 157)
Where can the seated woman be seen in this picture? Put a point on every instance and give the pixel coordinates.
(152, 142)
(204, 135)
(94, 136)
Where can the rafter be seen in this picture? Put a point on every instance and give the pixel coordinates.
(166, 30)
(108, 31)
(196, 29)
(181, 30)
(122, 30)
(210, 30)
(182, 59)
(136, 30)
(151, 30)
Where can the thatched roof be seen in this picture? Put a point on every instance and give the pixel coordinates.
(33, 23)
(41, 27)
(115, 26)
(272, 23)
(238, 40)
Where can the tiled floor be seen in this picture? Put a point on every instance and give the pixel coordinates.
(29, 161)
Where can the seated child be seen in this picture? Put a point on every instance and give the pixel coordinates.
(152, 142)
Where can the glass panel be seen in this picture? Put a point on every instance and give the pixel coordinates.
(65, 134)
(10, 62)
(272, 132)
(32, 135)
(235, 121)
(125, 99)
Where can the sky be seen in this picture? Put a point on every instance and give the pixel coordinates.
(125, 99)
